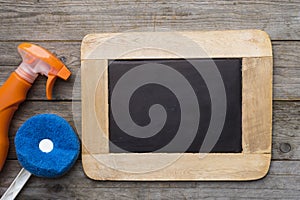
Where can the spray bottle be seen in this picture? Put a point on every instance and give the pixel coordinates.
(36, 60)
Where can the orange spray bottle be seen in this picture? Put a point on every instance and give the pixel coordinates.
(36, 60)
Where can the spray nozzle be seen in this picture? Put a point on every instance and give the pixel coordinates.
(37, 60)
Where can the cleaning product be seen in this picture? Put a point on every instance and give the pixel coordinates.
(36, 60)
(46, 146)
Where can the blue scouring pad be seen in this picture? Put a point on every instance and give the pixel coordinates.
(47, 146)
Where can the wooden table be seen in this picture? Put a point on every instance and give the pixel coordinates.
(60, 27)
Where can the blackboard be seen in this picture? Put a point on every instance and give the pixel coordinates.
(236, 91)
(230, 140)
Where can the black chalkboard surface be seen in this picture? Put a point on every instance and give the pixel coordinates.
(230, 140)
(146, 114)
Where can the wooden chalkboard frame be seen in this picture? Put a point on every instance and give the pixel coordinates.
(253, 46)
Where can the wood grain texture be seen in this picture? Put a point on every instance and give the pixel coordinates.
(286, 130)
(286, 54)
(175, 167)
(69, 20)
(65, 20)
(95, 110)
(257, 76)
(286, 117)
(286, 85)
(184, 44)
(282, 182)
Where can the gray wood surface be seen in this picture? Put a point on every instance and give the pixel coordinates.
(71, 20)
(60, 26)
(286, 69)
(286, 117)
(282, 182)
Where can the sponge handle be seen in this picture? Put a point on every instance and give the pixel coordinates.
(12, 93)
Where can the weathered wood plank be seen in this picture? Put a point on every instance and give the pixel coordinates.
(160, 45)
(257, 80)
(71, 20)
(282, 182)
(69, 52)
(286, 130)
(286, 117)
(286, 54)
(286, 69)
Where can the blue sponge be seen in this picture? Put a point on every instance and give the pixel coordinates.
(47, 146)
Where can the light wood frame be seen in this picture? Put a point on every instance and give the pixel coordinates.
(253, 46)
